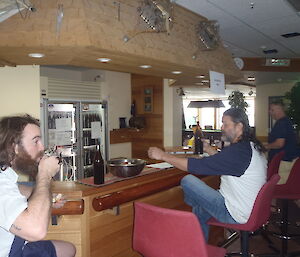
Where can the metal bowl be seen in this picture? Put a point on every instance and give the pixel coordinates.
(124, 168)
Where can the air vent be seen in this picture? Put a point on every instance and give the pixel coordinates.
(270, 51)
(288, 35)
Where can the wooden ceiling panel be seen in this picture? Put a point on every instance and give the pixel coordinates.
(93, 29)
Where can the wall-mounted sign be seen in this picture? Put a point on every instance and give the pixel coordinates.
(217, 82)
(278, 62)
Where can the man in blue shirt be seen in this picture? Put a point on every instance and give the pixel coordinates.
(242, 167)
(282, 136)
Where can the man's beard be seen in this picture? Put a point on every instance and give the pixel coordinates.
(25, 164)
(227, 137)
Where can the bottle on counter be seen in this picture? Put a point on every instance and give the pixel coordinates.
(99, 170)
(211, 140)
(198, 134)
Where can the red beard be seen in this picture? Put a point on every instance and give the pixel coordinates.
(25, 164)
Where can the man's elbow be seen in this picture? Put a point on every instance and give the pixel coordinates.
(36, 234)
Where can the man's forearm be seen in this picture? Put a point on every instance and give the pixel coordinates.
(180, 163)
(277, 144)
(32, 224)
(39, 204)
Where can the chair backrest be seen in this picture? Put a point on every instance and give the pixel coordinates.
(292, 184)
(274, 164)
(167, 233)
(262, 205)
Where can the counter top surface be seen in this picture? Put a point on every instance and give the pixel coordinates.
(74, 190)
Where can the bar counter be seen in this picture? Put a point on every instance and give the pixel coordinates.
(98, 220)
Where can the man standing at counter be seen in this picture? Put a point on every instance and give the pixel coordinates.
(242, 167)
(282, 138)
(25, 211)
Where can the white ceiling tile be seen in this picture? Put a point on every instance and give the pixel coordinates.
(244, 29)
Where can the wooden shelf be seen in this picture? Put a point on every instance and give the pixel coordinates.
(123, 135)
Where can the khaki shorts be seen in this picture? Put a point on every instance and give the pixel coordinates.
(284, 170)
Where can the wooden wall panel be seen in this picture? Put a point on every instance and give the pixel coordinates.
(152, 135)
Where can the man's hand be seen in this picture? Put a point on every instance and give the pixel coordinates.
(208, 149)
(156, 153)
(58, 201)
(48, 167)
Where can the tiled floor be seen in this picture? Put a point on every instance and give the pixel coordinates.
(259, 245)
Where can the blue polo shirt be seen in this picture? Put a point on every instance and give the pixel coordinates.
(283, 128)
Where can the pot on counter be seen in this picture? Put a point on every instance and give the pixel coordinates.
(123, 167)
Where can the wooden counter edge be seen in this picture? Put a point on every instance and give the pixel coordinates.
(126, 195)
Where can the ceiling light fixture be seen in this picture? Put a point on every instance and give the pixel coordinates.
(103, 59)
(200, 77)
(251, 78)
(199, 83)
(208, 34)
(176, 72)
(36, 55)
(205, 80)
(156, 14)
(145, 66)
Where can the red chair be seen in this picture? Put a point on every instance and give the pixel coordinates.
(160, 232)
(259, 215)
(288, 191)
(274, 164)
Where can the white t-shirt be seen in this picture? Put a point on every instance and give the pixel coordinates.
(12, 203)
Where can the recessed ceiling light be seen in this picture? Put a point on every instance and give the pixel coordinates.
(146, 66)
(103, 59)
(176, 72)
(205, 80)
(270, 51)
(251, 78)
(199, 83)
(200, 77)
(36, 55)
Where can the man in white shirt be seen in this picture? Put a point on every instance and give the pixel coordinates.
(25, 211)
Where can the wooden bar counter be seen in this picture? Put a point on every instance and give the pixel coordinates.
(98, 220)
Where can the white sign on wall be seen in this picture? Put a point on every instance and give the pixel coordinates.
(217, 82)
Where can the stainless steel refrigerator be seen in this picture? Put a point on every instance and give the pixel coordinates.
(75, 130)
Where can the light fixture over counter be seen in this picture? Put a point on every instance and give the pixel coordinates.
(206, 104)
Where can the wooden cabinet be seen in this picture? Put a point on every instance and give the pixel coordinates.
(108, 233)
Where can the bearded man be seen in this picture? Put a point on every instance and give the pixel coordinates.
(242, 167)
(25, 211)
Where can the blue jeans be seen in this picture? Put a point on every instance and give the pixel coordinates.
(205, 201)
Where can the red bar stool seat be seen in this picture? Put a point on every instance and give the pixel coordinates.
(160, 232)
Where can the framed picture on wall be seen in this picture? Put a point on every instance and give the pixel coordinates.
(148, 99)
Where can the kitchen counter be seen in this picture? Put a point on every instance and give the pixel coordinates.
(102, 227)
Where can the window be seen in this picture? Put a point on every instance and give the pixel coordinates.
(213, 116)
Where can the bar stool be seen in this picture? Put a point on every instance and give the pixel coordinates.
(285, 192)
(161, 232)
(259, 216)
